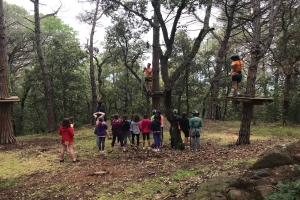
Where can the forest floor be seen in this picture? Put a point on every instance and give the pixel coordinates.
(30, 168)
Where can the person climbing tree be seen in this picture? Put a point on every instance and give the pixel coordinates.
(236, 73)
(148, 77)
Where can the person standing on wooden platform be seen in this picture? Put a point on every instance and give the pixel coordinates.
(148, 77)
(236, 73)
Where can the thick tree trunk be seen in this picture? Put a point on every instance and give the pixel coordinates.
(176, 139)
(6, 129)
(155, 63)
(244, 133)
(47, 86)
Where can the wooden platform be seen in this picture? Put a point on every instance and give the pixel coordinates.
(10, 99)
(154, 94)
(249, 100)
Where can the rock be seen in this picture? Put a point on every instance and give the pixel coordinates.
(264, 190)
(263, 181)
(260, 173)
(297, 157)
(218, 196)
(277, 156)
(235, 194)
(241, 183)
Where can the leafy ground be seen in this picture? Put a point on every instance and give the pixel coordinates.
(30, 169)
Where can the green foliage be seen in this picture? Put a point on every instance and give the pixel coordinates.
(297, 169)
(5, 184)
(287, 191)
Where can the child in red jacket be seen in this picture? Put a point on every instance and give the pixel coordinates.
(67, 139)
(145, 129)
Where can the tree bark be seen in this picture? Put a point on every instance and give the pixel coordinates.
(257, 53)
(286, 99)
(155, 63)
(6, 128)
(47, 86)
(91, 54)
(211, 114)
(175, 134)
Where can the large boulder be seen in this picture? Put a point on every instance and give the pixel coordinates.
(276, 156)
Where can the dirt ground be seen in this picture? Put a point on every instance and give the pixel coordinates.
(115, 172)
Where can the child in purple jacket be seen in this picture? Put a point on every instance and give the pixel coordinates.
(101, 133)
(117, 125)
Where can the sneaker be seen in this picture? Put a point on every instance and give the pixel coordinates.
(144, 148)
(154, 150)
(76, 160)
(149, 148)
(62, 160)
(157, 150)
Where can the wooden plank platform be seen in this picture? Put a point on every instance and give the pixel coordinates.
(249, 100)
(155, 94)
(10, 99)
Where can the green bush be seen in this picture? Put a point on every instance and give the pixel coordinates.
(287, 191)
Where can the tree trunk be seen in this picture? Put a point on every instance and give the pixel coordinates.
(211, 114)
(175, 134)
(47, 86)
(286, 99)
(244, 133)
(155, 64)
(187, 73)
(6, 129)
(92, 68)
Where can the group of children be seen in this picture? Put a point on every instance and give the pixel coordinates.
(128, 130)
(124, 130)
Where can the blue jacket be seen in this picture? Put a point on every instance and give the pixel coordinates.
(155, 126)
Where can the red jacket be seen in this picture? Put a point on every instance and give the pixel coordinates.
(145, 125)
(67, 133)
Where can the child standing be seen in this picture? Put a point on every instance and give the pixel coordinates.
(117, 125)
(156, 130)
(126, 130)
(97, 116)
(101, 133)
(184, 126)
(67, 139)
(195, 125)
(145, 129)
(135, 129)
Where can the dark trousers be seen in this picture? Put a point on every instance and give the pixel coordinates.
(137, 138)
(120, 138)
(101, 143)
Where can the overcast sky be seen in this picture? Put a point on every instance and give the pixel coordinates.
(69, 10)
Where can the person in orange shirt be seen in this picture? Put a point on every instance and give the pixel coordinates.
(236, 73)
(148, 77)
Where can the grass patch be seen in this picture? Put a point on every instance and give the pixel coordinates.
(5, 184)
(281, 131)
(15, 164)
